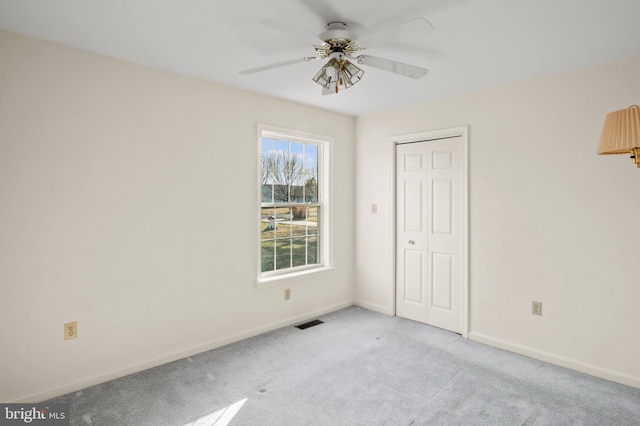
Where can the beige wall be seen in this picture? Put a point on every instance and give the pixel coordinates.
(549, 219)
(128, 203)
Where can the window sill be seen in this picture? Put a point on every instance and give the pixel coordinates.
(278, 279)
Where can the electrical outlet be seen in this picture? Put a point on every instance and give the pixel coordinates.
(287, 293)
(70, 330)
(536, 308)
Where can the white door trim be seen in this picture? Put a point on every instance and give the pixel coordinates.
(462, 131)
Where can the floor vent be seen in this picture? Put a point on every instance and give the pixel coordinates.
(309, 324)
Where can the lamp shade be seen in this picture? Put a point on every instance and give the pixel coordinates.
(338, 73)
(328, 74)
(621, 131)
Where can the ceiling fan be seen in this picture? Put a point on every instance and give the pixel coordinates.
(342, 48)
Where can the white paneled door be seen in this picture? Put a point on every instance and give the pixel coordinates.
(429, 232)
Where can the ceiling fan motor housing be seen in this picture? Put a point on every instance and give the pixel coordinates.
(337, 31)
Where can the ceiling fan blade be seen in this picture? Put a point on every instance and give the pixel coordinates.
(277, 65)
(392, 66)
(381, 35)
(289, 28)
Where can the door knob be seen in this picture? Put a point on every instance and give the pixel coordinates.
(412, 242)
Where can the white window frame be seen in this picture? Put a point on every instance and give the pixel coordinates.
(325, 190)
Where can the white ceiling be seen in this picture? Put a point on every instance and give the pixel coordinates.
(476, 43)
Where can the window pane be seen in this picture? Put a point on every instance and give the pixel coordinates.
(311, 188)
(298, 149)
(268, 256)
(281, 175)
(299, 229)
(283, 254)
(280, 193)
(312, 250)
(267, 148)
(280, 146)
(299, 222)
(312, 220)
(297, 190)
(268, 222)
(295, 172)
(267, 160)
(267, 193)
(311, 157)
(299, 212)
(299, 252)
(283, 222)
(311, 173)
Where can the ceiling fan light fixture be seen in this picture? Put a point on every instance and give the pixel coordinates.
(338, 73)
(328, 73)
(352, 72)
(331, 89)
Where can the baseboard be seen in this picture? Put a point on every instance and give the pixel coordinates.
(561, 361)
(174, 356)
(373, 307)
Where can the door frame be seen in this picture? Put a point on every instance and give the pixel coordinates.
(426, 136)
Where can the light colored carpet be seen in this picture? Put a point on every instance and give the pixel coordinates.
(358, 368)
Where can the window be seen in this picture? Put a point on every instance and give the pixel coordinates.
(294, 215)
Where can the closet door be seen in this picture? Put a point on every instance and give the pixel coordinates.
(429, 232)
